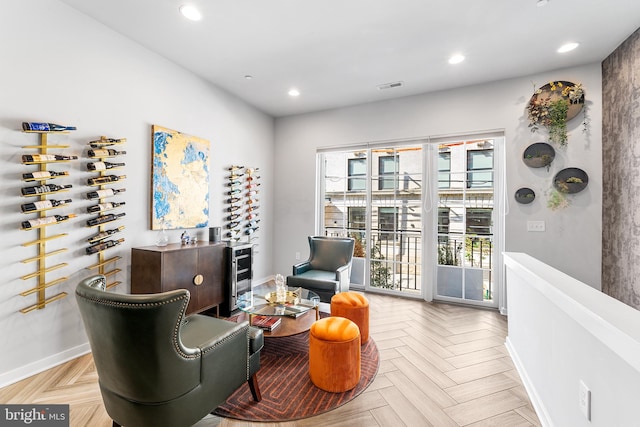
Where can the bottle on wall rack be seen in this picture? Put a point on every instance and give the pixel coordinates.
(43, 204)
(233, 208)
(233, 217)
(105, 179)
(251, 230)
(253, 185)
(251, 171)
(251, 178)
(235, 168)
(104, 207)
(41, 158)
(107, 192)
(45, 127)
(100, 166)
(252, 224)
(233, 224)
(104, 142)
(233, 200)
(252, 215)
(46, 220)
(252, 208)
(104, 219)
(234, 183)
(49, 188)
(32, 176)
(235, 176)
(102, 246)
(103, 234)
(232, 192)
(252, 201)
(104, 152)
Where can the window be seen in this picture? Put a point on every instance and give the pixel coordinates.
(357, 218)
(444, 169)
(387, 167)
(479, 221)
(443, 220)
(387, 218)
(357, 175)
(480, 168)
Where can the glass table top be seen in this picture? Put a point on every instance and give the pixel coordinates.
(262, 301)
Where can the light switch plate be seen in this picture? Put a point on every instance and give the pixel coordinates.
(535, 226)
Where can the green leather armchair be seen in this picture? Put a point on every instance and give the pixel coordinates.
(157, 367)
(328, 269)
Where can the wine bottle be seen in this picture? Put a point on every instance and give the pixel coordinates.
(251, 178)
(107, 192)
(105, 152)
(251, 230)
(234, 183)
(235, 168)
(232, 192)
(31, 158)
(233, 208)
(104, 207)
(102, 246)
(252, 208)
(42, 175)
(104, 179)
(252, 224)
(251, 171)
(104, 142)
(49, 188)
(252, 201)
(232, 233)
(252, 215)
(233, 216)
(253, 185)
(233, 224)
(252, 193)
(103, 234)
(104, 218)
(233, 200)
(100, 166)
(39, 222)
(235, 176)
(43, 204)
(45, 127)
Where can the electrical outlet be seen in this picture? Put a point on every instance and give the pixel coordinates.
(584, 400)
(535, 226)
(297, 256)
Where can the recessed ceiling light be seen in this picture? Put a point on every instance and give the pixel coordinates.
(294, 92)
(568, 47)
(541, 3)
(190, 12)
(248, 76)
(456, 59)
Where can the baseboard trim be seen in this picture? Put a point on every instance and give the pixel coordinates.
(537, 403)
(38, 366)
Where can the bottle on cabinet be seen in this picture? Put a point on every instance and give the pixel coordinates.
(104, 152)
(43, 204)
(104, 207)
(42, 158)
(102, 246)
(107, 192)
(49, 188)
(45, 127)
(104, 219)
(105, 179)
(103, 234)
(100, 166)
(39, 222)
(32, 176)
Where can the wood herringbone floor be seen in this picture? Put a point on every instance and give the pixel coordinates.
(441, 365)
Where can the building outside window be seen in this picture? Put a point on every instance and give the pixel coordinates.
(387, 171)
(357, 179)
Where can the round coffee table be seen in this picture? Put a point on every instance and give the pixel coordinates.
(297, 315)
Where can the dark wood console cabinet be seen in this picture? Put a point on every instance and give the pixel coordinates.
(199, 268)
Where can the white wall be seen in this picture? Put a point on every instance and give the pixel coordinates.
(561, 332)
(62, 67)
(572, 241)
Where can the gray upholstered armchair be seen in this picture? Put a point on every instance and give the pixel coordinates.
(328, 269)
(157, 367)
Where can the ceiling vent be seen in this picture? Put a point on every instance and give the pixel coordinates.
(393, 85)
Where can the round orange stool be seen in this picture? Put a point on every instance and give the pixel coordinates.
(355, 307)
(334, 354)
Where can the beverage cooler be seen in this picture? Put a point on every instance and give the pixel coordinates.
(239, 262)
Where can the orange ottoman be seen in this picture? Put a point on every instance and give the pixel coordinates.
(334, 354)
(355, 307)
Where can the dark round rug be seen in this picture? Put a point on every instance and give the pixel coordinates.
(287, 392)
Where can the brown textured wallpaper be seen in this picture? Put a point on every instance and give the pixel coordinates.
(621, 172)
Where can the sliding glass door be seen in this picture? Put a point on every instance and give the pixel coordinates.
(422, 215)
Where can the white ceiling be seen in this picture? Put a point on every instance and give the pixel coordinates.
(336, 52)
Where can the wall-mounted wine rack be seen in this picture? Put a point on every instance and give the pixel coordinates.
(242, 215)
(100, 152)
(41, 207)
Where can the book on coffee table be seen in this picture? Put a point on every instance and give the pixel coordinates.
(268, 323)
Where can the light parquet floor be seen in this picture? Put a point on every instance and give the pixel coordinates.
(441, 365)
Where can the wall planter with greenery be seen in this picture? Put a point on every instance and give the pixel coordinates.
(552, 106)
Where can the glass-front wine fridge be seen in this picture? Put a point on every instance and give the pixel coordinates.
(239, 260)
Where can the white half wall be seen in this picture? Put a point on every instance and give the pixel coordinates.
(562, 332)
(572, 240)
(60, 66)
